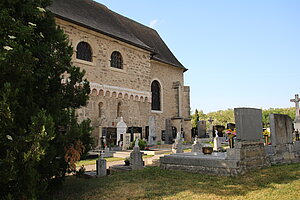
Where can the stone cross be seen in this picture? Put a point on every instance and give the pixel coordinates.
(296, 101)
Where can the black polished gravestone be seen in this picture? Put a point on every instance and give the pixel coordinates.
(219, 129)
(230, 126)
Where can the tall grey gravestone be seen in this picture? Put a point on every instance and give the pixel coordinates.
(281, 149)
(249, 148)
(101, 167)
(152, 133)
(248, 124)
(168, 133)
(136, 160)
(281, 127)
(201, 128)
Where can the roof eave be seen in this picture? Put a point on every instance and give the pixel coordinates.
(104, 33)
(169, 63)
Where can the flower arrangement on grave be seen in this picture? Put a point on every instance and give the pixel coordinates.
(231, 133)
(266, 134)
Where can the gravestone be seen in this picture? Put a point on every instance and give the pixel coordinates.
(230, 126)
(136, 159)
(281, 149)
(249, 148)
(197, 146)
(177, 146)
(201, 128)
(210, 130)
(248, 122)
(101, 167)
(219, 129)
(152, 132)
(121, 129)
(281, 129)
(217, 143)
(126, 141)
(107, 153)
(297, 118)
(168, 133)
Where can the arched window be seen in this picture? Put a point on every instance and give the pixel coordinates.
(116, 60)
(155, 89)
(100, 107)
(119, 112)
(84, 51)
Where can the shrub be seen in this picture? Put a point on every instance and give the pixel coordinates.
(142, 144)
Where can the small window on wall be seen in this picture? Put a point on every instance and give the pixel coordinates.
(84, 51)
(155, 90)
(116, 60)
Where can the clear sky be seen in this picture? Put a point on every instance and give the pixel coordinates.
(239, 53)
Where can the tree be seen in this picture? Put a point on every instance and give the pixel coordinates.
(39, 91)
(198, 115)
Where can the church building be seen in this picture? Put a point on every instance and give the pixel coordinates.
(133, 75)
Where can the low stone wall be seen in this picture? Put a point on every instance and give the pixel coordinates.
(244, 157)
(283, 154)
(199, 163)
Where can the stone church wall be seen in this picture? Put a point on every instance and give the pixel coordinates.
(126, 92)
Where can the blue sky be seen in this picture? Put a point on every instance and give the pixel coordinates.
(239, 53)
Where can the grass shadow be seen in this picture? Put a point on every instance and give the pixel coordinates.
(155, 183)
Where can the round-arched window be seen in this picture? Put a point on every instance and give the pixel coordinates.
(84, 51)
(116, 60)
(156, 92)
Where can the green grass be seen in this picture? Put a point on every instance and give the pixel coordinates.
(277, 182)
(110, 159)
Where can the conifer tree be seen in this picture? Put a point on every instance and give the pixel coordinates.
(39, 91)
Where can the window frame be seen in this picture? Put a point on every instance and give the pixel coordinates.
(116, 60)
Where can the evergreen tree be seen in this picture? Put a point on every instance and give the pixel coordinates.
(39, 91)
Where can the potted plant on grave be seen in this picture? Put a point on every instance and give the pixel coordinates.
(231, 133)
(127, 161)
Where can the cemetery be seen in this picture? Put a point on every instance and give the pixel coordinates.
(248, 150)
(94, 105)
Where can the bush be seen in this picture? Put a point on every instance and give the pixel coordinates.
(142, 144)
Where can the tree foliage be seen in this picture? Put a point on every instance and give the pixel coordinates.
(222, 117)
(39, 91)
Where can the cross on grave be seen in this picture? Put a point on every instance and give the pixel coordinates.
(210, 120)
(296, 101)
(297, 118)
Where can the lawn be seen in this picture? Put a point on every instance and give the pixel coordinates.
(277, 182)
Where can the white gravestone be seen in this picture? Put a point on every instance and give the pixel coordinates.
(152, 133)
(126, 141)
(121, 129)
(177, 146)
(197, 146)
(217, 143)
(297, 118)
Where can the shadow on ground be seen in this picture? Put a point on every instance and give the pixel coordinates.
(155, 183)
